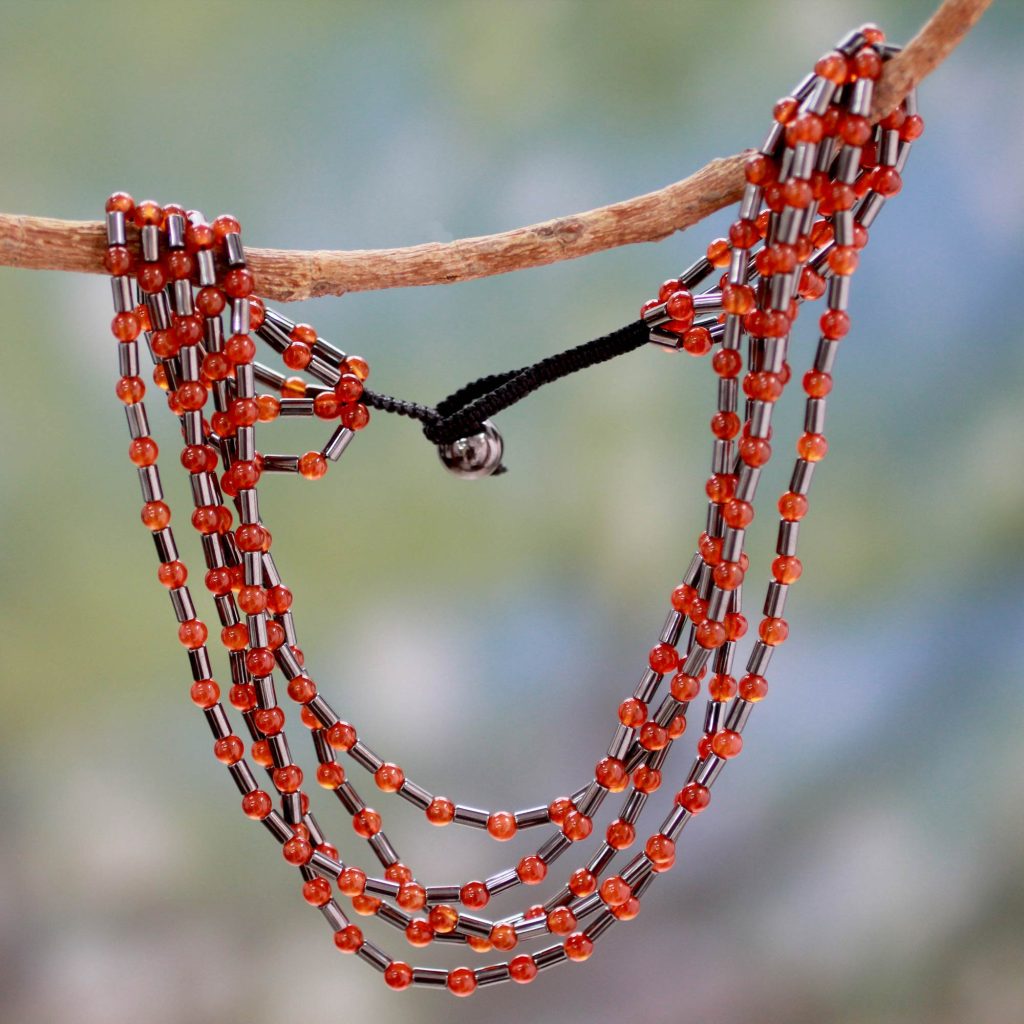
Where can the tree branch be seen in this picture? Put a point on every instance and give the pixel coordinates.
(43, 243)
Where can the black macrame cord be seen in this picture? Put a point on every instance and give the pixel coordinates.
(463, 412)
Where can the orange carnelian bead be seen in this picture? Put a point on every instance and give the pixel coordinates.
(578, 946)
(204, 693)
(755, 451)
(647, 779)
(576, 826)
(366, 822)
(725, 425)
(312, 465)
(792, 507)
(632, 712)
(663, 658)
(559, 808)
(130, 390)
(722, 687)
(297, 356)
(653, 736)
(833, 67)
(727, 362)
(867, 63)
(210, 301)
(522, 969)
(117, 260)
(615, 891)
(419, 932)
(812, 447)
(349, 939)
(398, 872)
(366, 905)
(760, 169)
(773, 631)
(443, 918)
(610, 773)
(693, 797)
(787, 568)
(531, 870)
(726, 743)
(172, 574)
(269, 408)
(229, 750)
(743, 234)
(660, 851)
(501, 825)
(440, 811)
(121, 202)
(835, 324)
(561, 921)
(697, 341)
(326, 405)
(297, 851)
(843, 259)
(349, 387)
(737, 514)
(710, 634)
(411, 896)
(817, 384)
(301, 689)
(503, 937)
(685, 688)
(474, 895)
(683, 597)
(753, 688)
(727, 575)
(720, 487)
(461, 982)
(785, 109)
(719, 252)
(256, 805)
(269, 721)
(330, 775)
(125, 326)
(341, 736)
(398, 975)
(240, 349)
(261, 751)
(704, 747)
(710, 548)
(316, 892)
(582, 882)
(352, 882)
(192, 634)
(389, 778)
(223, 226)
(628, 910)
(620, 834)
(236, 637)
(356, 416)
(288, 778)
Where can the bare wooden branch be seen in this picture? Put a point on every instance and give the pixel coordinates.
(44, 243)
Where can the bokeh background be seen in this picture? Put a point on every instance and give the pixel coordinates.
(862, 862)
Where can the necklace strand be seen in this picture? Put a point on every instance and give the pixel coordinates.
(814, 188)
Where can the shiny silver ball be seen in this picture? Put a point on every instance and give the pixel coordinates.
(475, 456)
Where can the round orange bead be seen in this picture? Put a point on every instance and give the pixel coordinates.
(389, 778)
(349, 939)
(461, 982)
(474, 895)
(366, 822)
(256, 805)
(501, 825)
(531, 870)
(578, 947)
(522, 969)
(398, 975)
(440, 811)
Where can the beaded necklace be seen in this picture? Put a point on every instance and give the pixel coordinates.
(813, 190)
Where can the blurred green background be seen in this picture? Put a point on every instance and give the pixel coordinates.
(863, 860)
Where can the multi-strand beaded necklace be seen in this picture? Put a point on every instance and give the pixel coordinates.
(813, 190)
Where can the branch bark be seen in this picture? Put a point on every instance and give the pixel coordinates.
(43, 243)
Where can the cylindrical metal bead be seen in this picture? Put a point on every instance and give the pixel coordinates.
(291, 807)
(501, 881)
(334, 915)
(710, 771)
(374, 956)
(199, 662)
(760, 418)
(554, 847)
(789, 533)
(166, 549)
(430, 977)
(382, 847)
(243, 776)
(338, 442)
(721, 663)
(775, 599)
(814, 415)
(750, 207)
(471, 816)
(233, 251)
(760, 658)
(128, 359)
(800, 481)
(645, 689)
(121, 291)
(621, 740)
(695, 661)
(150, 235)
(278, 827)
(362, 754)
(183, 302)
(217, 720)
(732, 544)
(591, 800)
(415, 794)
(746, 482)
(266, 693)
(712, 716)
(549, 956)
(674, 824)
(181, 602)
(859, 103)
(531, 817)
(205, 267)
(246, 437)
(116, 234)
(825, 357)
(739, 712)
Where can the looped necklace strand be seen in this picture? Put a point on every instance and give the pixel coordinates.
(813, 190)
